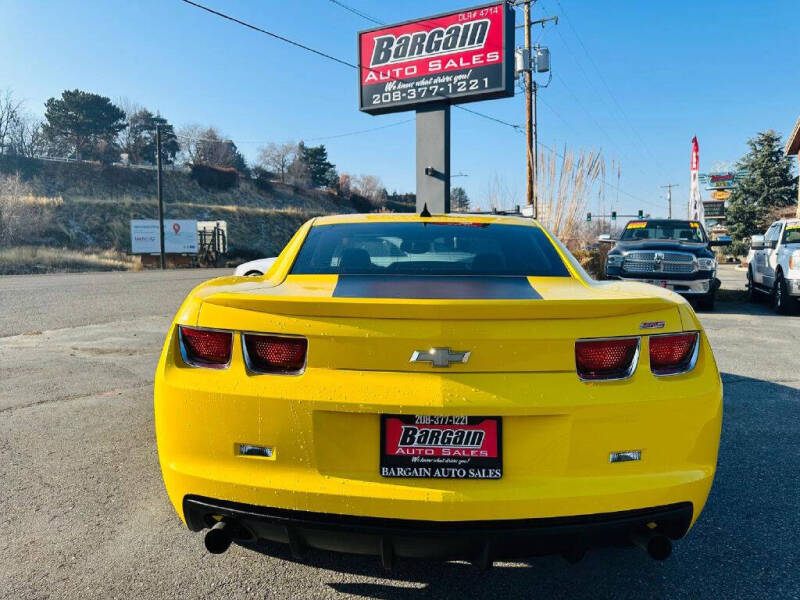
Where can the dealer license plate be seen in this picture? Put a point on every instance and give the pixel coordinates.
(659, 283)
(440, 447)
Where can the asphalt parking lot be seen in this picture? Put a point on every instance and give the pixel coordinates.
(84, 513)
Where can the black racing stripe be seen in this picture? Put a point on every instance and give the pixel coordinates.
(454, 287)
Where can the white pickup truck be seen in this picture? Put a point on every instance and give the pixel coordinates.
(773, 265)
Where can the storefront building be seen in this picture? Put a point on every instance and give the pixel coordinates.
(793, 149)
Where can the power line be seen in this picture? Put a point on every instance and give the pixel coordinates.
(489, 117)
(341, 135)
(603, 80)
(358, 12)
(269, 33)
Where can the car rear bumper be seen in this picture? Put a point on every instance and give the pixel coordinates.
(500, 539)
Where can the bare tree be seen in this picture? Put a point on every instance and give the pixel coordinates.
(298, 173)
(127, 137)
(370, 187)
(27, 137)
(10, 110)
(345, 185)
(277, 158)
(189, 136)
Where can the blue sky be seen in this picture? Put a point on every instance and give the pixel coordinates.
(634, 79)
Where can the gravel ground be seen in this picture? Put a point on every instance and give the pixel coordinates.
(84, 513)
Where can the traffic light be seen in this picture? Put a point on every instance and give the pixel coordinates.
(641, 214)
(613, 215)
(588, 217)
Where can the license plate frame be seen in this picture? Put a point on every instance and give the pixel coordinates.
(409, 448)
(662, 283)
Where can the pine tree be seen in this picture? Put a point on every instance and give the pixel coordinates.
(768, 185)
(459, 199)
(321, 171)
(86, 124)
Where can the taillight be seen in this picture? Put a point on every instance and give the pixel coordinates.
(274, 354)
(606, 359)
(672, 354)
(206, 347)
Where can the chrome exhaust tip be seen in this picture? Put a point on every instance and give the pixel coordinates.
(218, 539)
(657, 545)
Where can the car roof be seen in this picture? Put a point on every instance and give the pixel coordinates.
(415, 218)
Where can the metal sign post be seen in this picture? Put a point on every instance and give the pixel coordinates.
(433, 158)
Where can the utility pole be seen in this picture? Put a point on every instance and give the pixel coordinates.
(530, 117)
(669, 187)
(160, 196)
(531, 129)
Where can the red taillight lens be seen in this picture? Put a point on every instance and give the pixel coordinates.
(206, 348)
(606, 359)
(273, 354)
(672, 354)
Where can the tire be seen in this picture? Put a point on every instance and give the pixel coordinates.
(253, 274)
(782, 302)
(706, 302)
(752, 292)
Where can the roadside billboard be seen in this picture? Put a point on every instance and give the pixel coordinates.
(180, 236)
(462, 56)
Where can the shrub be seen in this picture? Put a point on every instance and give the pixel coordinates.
(217, 178)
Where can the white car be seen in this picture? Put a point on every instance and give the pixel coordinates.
(255, 267)
(774, 265)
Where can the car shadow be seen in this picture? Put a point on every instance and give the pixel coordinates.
(744, 544)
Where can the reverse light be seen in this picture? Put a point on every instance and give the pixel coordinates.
(606, 359)
(625, 456)
(274, 354)
(673, 353)
(208, 348)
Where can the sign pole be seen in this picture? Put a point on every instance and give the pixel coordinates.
(433, 158)
(160, 196)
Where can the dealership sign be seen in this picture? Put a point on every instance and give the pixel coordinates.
(723, 180)
(456, 57)
(180, 236)
(720, 194)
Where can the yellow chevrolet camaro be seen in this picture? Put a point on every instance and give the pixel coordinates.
(451, 387)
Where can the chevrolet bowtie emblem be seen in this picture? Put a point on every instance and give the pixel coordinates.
(439, 357)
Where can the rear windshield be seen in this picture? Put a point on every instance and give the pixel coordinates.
(684, 231)
(414, 248)
(791, 235)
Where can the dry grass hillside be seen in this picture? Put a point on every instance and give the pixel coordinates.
(85, 210)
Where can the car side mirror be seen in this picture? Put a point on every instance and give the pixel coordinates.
(772, 244)
(757, 242)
